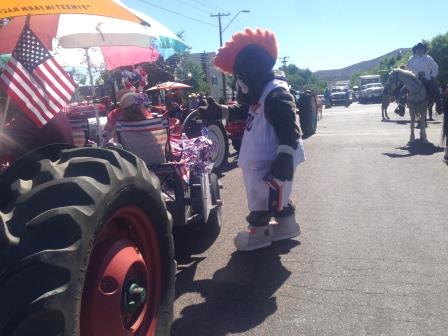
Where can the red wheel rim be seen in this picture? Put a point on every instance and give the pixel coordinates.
(121, 295)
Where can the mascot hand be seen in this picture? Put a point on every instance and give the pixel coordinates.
(211, 111)
(282, 167)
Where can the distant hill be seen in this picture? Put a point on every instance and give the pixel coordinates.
(347, 72)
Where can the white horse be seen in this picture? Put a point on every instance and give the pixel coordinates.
(417, 98)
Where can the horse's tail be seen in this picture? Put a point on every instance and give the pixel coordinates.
(445, 120)
(445, 127)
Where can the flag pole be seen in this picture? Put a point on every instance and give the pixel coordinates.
(97, 115)
(4, 114)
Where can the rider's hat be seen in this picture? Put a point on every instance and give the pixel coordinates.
(418, 46)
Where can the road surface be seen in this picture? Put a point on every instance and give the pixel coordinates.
(372, 258)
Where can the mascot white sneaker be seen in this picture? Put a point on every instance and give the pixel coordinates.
(271, 147)
(254, 239)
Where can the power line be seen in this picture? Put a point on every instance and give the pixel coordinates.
(194, 7)
(214, 8)
(177, 13)
(239, 24)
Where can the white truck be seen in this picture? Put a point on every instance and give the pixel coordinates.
(340, 93)
(371, 89)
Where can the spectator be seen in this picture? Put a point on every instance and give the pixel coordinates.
(133, 107)
(115, 115)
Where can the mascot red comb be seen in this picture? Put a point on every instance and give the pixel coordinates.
(272, 147)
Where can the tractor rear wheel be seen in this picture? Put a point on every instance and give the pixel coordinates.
(85, 246)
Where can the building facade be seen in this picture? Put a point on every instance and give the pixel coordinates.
(214, 77)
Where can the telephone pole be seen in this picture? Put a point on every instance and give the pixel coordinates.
(284, 60)
(224, 84)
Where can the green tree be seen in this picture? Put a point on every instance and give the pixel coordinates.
(300, 79)
(438, 48)
(82, 79)
(193, 74)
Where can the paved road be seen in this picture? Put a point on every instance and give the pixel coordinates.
(372, 258)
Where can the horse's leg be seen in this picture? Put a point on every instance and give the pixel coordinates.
(382, 111)
(385, 109)
(430, 112)
(412, 114)
(423, 137)
(445, 134)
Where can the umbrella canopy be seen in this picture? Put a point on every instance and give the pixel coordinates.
(111, 57)
(111, 34)
(169, 86)
(166, 42)
(13, 8)
(95, 31)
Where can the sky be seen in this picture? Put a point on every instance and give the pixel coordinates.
(314, 34)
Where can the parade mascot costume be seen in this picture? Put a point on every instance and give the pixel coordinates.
(272, 147)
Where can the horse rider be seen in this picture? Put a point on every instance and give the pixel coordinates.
(426, 69)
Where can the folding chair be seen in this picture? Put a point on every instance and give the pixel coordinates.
(149, 139)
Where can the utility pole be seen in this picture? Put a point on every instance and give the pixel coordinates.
(284, 60)
(224, 84)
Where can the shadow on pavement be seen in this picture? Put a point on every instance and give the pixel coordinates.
(227, 167)
(417, 148)
(239, 297)
(397, 121)
(190, 241)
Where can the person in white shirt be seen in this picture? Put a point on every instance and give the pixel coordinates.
(424, 67)
(421, 64)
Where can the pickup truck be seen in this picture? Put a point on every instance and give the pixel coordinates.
(372, 92)
(340, 96)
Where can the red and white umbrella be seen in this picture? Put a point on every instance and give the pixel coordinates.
(118, 43)
(77, 31)
(169, 86)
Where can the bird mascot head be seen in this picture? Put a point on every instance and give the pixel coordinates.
(250, 56)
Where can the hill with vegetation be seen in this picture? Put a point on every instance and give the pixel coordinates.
(347, 72)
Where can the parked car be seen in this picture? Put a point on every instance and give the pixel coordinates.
(340, 96)
(372, 92)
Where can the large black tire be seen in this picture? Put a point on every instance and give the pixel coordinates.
(54, 204)
(218, 134)
(211, 225)
(214, 221)
(307, 111)
(236, 144)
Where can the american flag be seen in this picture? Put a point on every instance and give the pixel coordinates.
(35, 81)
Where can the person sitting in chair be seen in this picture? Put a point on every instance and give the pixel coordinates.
(133, 107)
(133, 130)
(116, 114)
